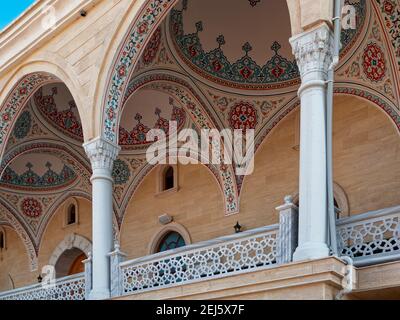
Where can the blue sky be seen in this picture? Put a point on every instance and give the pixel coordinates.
(10, 9)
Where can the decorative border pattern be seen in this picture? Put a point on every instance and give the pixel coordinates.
(30, 180)
(133, 45)
(391, 13)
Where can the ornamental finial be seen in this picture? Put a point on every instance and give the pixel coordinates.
(221, 40)
(247, 48)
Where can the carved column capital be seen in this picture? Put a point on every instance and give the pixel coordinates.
(101, 153)
(313, 51)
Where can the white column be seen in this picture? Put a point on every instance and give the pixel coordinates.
(313, 51)
(102, 155)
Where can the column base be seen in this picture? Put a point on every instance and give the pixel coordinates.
(99, 295)
(311, 251)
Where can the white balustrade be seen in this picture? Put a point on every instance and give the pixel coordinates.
(372, 237)
(68, 288)
(224, 256)
(369, 238)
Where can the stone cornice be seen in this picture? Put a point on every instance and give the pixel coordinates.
(27, 33)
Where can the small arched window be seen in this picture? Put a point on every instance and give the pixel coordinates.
(71, 214)
(171, 240)
(168, 182)
(2, 240)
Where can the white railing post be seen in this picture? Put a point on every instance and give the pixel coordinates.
(116, 257)
(88, 275)
(288, 231)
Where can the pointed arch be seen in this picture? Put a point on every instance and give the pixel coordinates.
(23, 84)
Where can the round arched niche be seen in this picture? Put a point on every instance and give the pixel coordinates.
(70, 262)
(67, 254)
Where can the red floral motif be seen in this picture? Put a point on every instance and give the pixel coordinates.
(31, 208)
(137, 136)
(374, 62)
(122, 71)
(243, 116)
(65, 120)
(143, 27)
(389, 7)
(246, 72)
(216, 65)
(152, 48)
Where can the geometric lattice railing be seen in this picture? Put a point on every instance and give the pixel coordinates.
(371, 237)
(211, 259)
(68, 288)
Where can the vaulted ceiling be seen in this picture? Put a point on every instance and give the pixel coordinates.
(44, 162)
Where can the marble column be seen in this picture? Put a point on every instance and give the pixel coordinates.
(313, 51)
(102, 155)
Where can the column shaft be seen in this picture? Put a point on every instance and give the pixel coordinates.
(313, 51)
(102, 155)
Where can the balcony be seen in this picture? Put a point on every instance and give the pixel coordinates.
(369, 239)
(68, 288)
(211, 259)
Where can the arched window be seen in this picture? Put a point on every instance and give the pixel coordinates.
(171, 240)
(168, 178)
(2, 240)
(71, 214)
